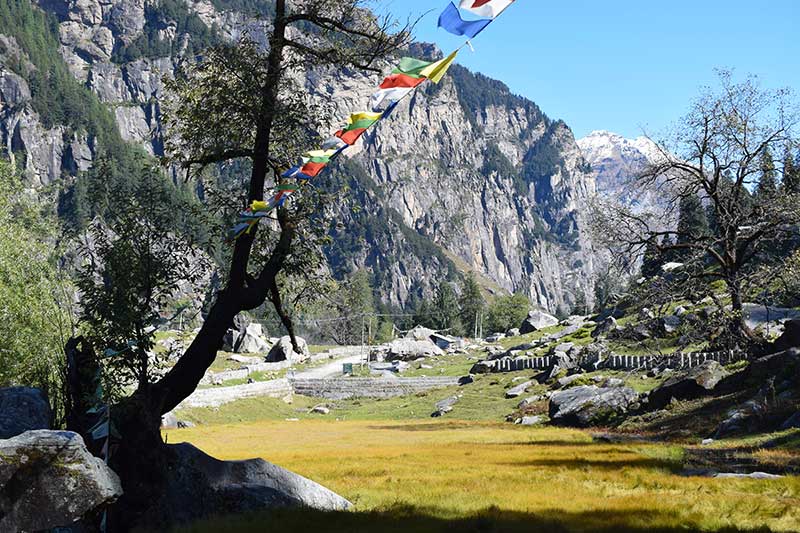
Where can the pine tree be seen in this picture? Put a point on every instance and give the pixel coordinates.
(446, 307)
(791, 174)
(767, 186)
(652, 261)
(471, 304)
(692, 221)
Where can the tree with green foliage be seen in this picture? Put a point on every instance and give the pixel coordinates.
(791, 174)
(652, 259)
(135, 269)
(244, 102)
(446, 310)
(35, 316)
(471, 304)
(767, 185)
(356, 307)
(507, 312)
(692, 221)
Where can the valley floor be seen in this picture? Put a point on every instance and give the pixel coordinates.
(443, 475)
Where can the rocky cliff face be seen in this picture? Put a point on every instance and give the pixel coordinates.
(463, 176)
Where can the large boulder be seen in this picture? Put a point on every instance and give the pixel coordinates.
(23, 409)
(49, 479)
(200, 486)
(407, 349)
(230, 341)
(693, 383)
(252, 341)
(537, 320)
(284, 351)
(605, 327)
(591, 406)
(419, 333)
(790, 337)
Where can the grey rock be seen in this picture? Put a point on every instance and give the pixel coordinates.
(482, 367)
(532, 420)
(790, 337)
(605, 327)
(284, 351)
(613, 382)
(169, 421)
(688, 385)
(445, 406)
(185, 424)
(408, 349)
(530, 401)
(564, 347)
(791, 422)
(321, 410)
(55, 481)
(537, 320)
(513, 332)
(252, 341)
(743, 418)
(669, 324)
(566, 381)
(591, 406)
(200, 486)
(419, 333)
(519, 390)
(466, 380)
(23, 409)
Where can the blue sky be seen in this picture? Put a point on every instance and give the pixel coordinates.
(624, 65)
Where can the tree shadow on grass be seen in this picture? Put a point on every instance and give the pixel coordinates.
(407, 519)
(576, 463)
(432, 426)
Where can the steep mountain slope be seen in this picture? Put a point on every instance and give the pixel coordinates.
(462, 173)
(616, 162)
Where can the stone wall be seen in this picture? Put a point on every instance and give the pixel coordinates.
(244, 372)
(276, 388)
(344, 388)
(623, 362)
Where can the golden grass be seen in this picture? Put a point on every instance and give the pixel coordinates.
(428, 475)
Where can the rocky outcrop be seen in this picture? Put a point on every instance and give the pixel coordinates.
(588, 406)
(408, 349)
(790, 337)
(23, 409)
(200, 486)
(537, 320)
(284, 351)
(694, 383)
(49, 479)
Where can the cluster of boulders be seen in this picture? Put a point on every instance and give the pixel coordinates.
(417, 344)
(245, 337)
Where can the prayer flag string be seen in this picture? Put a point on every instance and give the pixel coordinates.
(405, 78)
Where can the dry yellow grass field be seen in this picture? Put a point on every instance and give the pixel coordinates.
(482, 476)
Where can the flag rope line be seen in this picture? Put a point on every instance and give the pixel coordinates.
(361, 122)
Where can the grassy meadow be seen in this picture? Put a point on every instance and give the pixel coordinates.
(451, 475)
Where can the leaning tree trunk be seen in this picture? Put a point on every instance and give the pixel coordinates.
(139, 456)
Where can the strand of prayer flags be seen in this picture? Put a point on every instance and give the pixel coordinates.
(405, 78)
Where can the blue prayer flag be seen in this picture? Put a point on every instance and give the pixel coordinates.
(451, 20)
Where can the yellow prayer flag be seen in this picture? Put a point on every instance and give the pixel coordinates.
(436, 71)
(364, 115)
(259, 205)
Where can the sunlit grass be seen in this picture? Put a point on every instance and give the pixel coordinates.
(493, 477)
